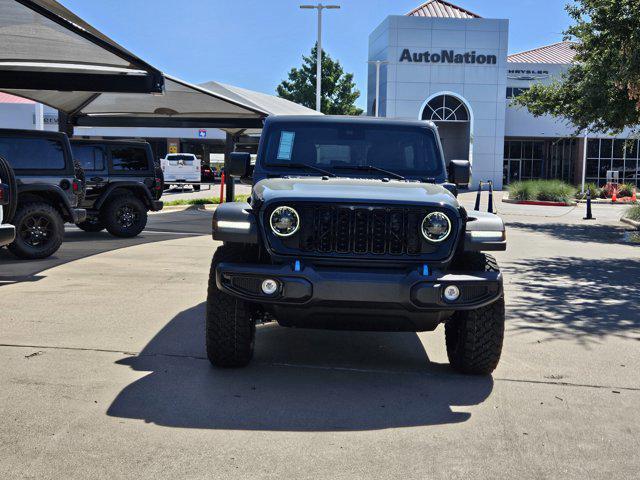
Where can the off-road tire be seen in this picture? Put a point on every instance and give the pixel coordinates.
(474, 338)
(20, 247)
(8, 177)
(92, 225)
(111, 216)
(230, 322)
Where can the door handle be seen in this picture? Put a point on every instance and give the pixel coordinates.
(96, 179)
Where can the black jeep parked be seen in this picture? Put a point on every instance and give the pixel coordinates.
(49, 188)
(123, 184)
(352, 224)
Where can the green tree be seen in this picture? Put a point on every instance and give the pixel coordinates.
(339, 92)
(601, 91)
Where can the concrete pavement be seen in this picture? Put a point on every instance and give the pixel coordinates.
(105, 374)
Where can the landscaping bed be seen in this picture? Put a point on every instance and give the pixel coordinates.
(632, 216)
(553, 193)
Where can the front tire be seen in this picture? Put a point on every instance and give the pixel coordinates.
(230, 322)
(474, 338)
(39, 231)
(125, 216)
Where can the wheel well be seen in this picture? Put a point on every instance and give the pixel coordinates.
(50, 198)
(137, 192)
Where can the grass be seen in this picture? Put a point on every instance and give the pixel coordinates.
(202, 201)
(633, 213)
(542, 190)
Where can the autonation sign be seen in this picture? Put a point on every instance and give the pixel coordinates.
(447, 56)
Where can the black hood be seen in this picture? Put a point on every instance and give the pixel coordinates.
(329, 189)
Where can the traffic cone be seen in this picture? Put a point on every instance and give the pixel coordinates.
(633, 196)
(614, 197)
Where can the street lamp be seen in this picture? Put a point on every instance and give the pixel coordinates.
(319, 7)
(377, 63)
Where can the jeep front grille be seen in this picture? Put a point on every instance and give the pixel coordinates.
(380, 230)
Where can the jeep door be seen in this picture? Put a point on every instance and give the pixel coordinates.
(93, 159)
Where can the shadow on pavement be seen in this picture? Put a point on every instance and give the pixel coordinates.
(587, 232)
(78, 244)
(300, 380)
(577, 298)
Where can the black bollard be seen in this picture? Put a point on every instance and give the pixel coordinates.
(589, 216)
(490, 206)
(477, 207)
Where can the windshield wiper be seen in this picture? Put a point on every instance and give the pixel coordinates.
(369, 168)
(302, 165)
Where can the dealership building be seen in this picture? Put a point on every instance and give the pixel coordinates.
(443, 63)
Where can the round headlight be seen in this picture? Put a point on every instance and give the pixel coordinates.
(284, 221)
(436, 227)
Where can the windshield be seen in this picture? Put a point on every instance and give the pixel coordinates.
(338, 147)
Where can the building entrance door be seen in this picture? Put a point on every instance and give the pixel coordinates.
(451, 116)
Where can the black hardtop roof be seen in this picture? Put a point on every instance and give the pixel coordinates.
(15, 132)
(134, 142)
(345, 119)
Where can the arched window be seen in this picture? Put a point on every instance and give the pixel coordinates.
(445, 108)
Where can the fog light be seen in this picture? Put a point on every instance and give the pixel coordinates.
(451, 293)
(269, 286)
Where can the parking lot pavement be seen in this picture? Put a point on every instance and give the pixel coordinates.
(105, 372)
(207, 191)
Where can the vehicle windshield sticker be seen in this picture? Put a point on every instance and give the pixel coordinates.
(286, 145)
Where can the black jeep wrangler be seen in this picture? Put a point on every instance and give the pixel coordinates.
(8, 202)
(49, 187)
(352, 224)
(123, 184)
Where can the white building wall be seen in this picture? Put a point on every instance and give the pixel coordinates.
(407, 85)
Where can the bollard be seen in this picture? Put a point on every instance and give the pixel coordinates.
(222, 188)
(589, 216)
(477, 207)
(490, 206)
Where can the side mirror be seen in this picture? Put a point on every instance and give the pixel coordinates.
(459, 172)
(238, 164)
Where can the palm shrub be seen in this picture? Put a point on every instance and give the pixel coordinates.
(633, 213)
(543, 190)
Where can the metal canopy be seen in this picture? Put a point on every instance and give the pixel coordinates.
(185, 105)
(45, 47)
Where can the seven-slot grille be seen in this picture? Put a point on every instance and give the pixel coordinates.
(360, 230)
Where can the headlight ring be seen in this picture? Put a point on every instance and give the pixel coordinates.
(436, 227)
(284, 221)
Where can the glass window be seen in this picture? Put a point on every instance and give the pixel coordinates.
(506, 150)
(605, 166)
(630, 168)
(409, 151)
(129, 159)
(526, 169)
(32, 153)
(606, 145)
(538, 148)
(592, 167)
(618, 148)
(593, 148)
(515, 150)
(91, 157)
(527, 150)
(536, 169)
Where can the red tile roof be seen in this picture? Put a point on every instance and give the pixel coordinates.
(441, 9)
(7, 98)
(560, 53)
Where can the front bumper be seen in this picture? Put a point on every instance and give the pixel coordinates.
(156, 205)
(79, 215)
(7, 234)
(349, 289)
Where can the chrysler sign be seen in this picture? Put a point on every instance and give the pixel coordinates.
(447, 56)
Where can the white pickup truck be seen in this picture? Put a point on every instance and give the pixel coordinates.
(181, 168)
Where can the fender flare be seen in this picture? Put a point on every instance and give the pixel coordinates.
(235, 222)
(65, 204)
(126, 185)
(484, 232)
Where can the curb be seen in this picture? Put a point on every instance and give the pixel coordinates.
(633, 223)
(182, 208)
(602, 201)
(540, 203)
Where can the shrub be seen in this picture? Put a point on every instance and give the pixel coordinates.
(596, 191)
(202, 201)
(543, 190)
(625, 189)
(633, 213)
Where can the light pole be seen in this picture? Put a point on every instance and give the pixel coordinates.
(377, 63)
(319, 7)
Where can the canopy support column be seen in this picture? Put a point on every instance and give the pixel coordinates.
(229, 147)
(64, 123)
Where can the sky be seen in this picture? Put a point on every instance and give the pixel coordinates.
(254, 43)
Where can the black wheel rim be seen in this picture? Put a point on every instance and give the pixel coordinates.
(36, 230)
(127, 216)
